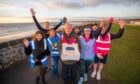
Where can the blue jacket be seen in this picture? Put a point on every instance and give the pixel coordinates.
(53, 41)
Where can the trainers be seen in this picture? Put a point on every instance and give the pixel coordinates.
(98, 77)
(85, 77)
(81, 80)
(93, 74)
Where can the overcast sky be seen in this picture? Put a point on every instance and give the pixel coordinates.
(19, 9)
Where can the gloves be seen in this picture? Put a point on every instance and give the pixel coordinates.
(63, 20)
(111, 20)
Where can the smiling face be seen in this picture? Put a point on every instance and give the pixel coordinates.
(87, 33)
(103, 30)
(76, 30)
(67, 28)
(94, 27)
(47, 25)
(38, 37)
(52, 33)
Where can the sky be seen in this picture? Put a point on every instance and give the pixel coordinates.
(13, 11)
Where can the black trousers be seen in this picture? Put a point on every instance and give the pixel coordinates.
(69, 71)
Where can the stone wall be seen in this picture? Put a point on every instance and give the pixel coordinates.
(10, 53)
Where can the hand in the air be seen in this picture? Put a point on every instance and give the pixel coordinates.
(32, 11)
(26, 42)
(121, 24)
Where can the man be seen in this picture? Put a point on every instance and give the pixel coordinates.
(69, 66)
(46, 24)
(77, 31)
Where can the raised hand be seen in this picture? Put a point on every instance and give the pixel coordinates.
(121, 24)
(65, 19)
(26, 42)
(102, 22)
(32, 11)
(111, 20)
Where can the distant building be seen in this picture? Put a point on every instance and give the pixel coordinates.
(135, 21)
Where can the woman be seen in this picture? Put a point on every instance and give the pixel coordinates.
(52, 42)
(87, 54)
(102, 48)
(37, 51)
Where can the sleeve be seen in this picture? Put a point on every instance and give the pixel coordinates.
(38, 25)
(108, 28)
(49, 46)
(118, 34)
(58, 25)
(60, 46)
(47, 51)
(28, 50)
(98, 32)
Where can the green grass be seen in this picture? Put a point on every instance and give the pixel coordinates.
(123, 64)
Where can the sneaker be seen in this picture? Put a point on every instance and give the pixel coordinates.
(85, 77)
(80, 81)
(98, 76)
(93, 74)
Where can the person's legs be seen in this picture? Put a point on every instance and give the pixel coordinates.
(101, 66)
(82, 71)
(65, 72)
(73, 72)
(96, 60)
(37, 77)
(43, 76)
(55, 67)
(87, 64)
(38, 73)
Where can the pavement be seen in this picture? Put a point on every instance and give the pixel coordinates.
(21, 73)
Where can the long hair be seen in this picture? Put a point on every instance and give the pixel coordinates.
(38, 32)
(39, 44)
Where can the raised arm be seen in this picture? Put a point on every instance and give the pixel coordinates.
(35, 20)
(27, 47)
(120, 32)
(98, 31)
(60, 23)
(109, 26)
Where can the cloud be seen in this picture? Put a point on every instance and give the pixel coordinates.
(114, 2)
(64, 4)
(71, 4)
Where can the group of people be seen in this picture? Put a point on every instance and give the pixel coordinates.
(91, 47)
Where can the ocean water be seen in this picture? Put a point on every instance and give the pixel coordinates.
(12, 28)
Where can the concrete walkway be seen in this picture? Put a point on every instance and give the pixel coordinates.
(21, 73)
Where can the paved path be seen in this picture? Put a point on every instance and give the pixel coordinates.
(21, 73)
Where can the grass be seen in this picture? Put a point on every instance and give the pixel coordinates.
(123, 64)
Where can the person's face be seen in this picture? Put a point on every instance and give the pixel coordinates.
(103, 30)
(87, 33)
(39, 37)
(47, 25)
(52, 33)
(76, 30)
(67, 28)
(95, 27)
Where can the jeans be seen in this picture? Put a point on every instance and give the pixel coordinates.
(84, 66)
(55, 65)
